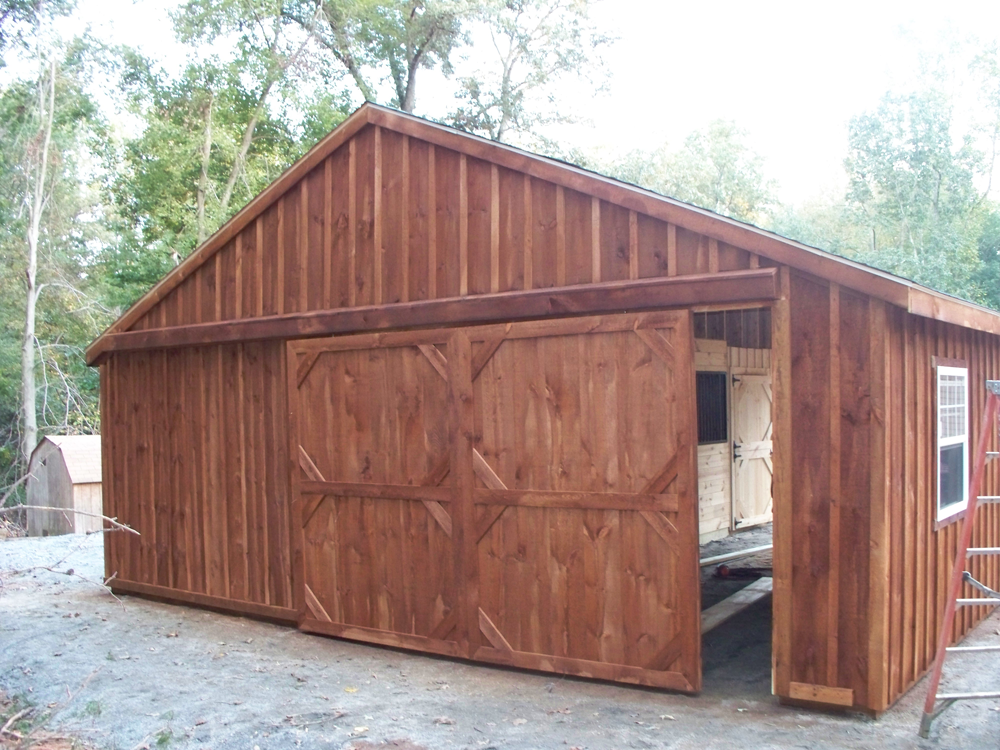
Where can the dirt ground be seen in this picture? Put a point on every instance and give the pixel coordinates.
(154, 675)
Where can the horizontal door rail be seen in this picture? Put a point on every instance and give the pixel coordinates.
(759, 284)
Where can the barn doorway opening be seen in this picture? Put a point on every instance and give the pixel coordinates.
(733, 393)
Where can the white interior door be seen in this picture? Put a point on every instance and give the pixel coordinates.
(751, 423)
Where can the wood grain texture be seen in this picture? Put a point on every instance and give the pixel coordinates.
(358, 132)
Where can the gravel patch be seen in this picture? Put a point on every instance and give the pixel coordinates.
(139, 673)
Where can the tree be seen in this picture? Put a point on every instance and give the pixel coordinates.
(714, 169)
(48, 125)
(384, 40)
(539, 45)
(913, 189)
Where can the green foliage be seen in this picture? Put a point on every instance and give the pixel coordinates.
(714, 169)
(540, 44)
(913, 188)
(69, 314)
(384, 41)
(155, 182)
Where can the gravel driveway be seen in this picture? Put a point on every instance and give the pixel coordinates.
(135, 673)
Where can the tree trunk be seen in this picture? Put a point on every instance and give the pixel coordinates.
(29, 416)
(241, 157)
(206, 154)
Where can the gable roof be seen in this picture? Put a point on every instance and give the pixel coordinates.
(80, 453)
(910, 296)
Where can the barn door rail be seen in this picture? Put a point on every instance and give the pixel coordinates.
(937, 703)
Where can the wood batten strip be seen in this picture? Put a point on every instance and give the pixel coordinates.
(404, 228)
(315, 606)
(463, 227)
(625, 501)
(238, 292)
(377, 219)
(781, 385)
(633, 245)
(484, 355)
(608, 297)
(462, 434)
(352, 223)
(308, 467)
(303, 248)
(284, 615)
(485, 472)
(381, 637)
(279, 281)
(833, 455)
(713, 255)
(259, 270)
(595, 240)
(560, 236)
(657, 344)
(492, 633)
(490, 515)
(529, 239)
(414, 492)
(436, 358)
(327, 236)
(879, 565)
(494, 228)
(586, 668)
(671, 250)
(664, 527)
(667, 655)
(432, 243)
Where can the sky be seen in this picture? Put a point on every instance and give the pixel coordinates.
(791, 74)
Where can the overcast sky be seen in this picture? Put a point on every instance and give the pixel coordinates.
(792, 74)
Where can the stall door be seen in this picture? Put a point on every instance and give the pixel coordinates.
(751, 418)
(522, 494)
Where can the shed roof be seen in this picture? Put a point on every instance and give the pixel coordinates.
(80, 453)
(913, 297)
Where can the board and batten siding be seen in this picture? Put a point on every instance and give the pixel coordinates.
(868, 571)
(196, 438)
(390, 218)
(195, 459)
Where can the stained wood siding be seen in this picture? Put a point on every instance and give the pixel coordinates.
(195, 459)
(391, 218)
(519, 494)
(921, 558)
(826, 639)
(868, 570)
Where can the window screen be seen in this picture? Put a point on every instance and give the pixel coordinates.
(953, 440)
(712, 423)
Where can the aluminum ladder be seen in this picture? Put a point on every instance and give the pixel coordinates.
(937, 703)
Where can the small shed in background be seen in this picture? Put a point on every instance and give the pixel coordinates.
(65, 473)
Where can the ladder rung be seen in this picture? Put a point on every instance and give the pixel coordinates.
(966, 696)
(983, 551)
(970, 649)
(981, 601)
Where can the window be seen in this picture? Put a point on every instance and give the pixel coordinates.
(711, 397)
(953, 440)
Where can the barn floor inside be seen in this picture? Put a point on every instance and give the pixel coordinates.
(736, 655)
(155, 674)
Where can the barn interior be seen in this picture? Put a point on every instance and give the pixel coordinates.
(733, 378)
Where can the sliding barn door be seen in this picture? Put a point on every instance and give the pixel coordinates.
(522, 494)
(375, 554)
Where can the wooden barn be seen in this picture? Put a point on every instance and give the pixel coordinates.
(437, 393)
(64, 471)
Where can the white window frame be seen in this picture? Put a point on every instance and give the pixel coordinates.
(963, 440)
